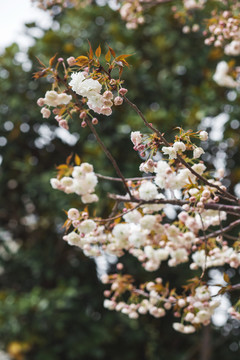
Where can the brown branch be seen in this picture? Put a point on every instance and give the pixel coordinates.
(205, 181)
(110, 157)
(231, 209)
(222, 231)
(110, 178)
(119, 215)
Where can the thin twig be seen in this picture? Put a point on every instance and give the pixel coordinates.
(110, 178)
(119, 215)
(109, 155)
(222, 231)
(231, 209)
(205, 248)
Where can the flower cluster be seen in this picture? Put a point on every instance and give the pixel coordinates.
(81, 180)
(224, 32)
(94, 83)
(154, 298)
(175, 175)
(196, 309)
(89, 88)
(132, 13)
(56, 100)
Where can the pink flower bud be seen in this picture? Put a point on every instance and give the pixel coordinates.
(83, 114)
(106, 110)
(63, 124)
(108, 95)
(177, 314)
(119, 266)
(71, 61)
(94, 121)
(40, 102)
(60, 59)
(167, 305)
(107, 293)
(83, 124)
(123, 91)
(108, 103)
(45, 113)
(58, 118)
(56, 111)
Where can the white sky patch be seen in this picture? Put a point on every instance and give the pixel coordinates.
(13, 15)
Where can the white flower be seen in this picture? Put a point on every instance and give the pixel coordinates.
(202, 293)
(203, 135)
(51, 98)
(76, 82)
(202, 316)
(73, 239)
(89, 198)
(136, 137)
(162, 167)
(199, 168)
(148, 191)
(132, 217)
(147, 166)
(170, 151)
(96, 102)
(55, 183)
(109, 304)
(73, 214)
(79, 171)
(197, 152)
(148, 222)
(179, 146)
(66, 181)
(87, 226)
(84, 87)
(90, 181)
(64, 99)
(121, 231)
(187, 329)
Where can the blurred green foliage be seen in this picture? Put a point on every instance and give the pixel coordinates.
(50, 296)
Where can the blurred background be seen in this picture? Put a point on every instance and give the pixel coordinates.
(50, 295)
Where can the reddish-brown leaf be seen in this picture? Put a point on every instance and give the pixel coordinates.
(77, 160)
(108, 55)
(69, 159)
(51, 61)
(112, 51)
(90, 51)
(122, 57)
(82, 61)
(98, 51)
